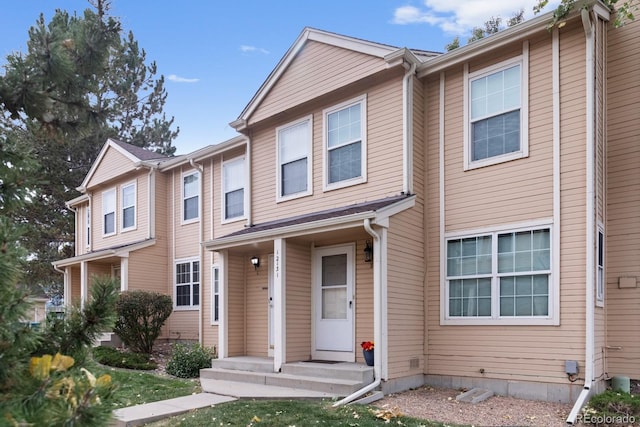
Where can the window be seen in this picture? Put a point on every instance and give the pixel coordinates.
(109, 212)
(187, 284)
(345, 159)
(233, 189)
(497, 109)
(215, 294)
(499, 275)
(294, 159)
(129, 206)
(88, 226)
(600, 269)
(190, 196)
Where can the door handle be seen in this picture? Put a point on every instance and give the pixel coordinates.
(350, 304)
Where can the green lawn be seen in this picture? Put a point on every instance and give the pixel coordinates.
(284, 413)
(136, 387)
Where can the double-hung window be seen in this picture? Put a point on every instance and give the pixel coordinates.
(215, 294)
(496, 114)
(499, 276)
(233, 189)
(129, 206)
(109, 212)
(345, 144)
(190, 196)
(187, 291)
(88, 228)
(294, 159)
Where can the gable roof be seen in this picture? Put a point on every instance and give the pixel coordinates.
(382, 51)
(134, 153)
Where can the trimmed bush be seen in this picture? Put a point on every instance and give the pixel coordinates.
(123, 359)
(141, 315)
(187, 360)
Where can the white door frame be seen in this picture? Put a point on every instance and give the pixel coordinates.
(317, 254)
(270, 308)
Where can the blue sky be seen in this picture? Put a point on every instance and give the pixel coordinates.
(215, 54)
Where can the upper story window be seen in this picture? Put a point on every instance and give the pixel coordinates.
(496, 128)
(499, 276)
(294, 159)
(190, 196)
(187, 288)
(345, 144)
(109, 212)
(128, 206)
(88, 223)
(233, 181)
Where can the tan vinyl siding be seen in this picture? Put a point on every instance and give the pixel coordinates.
(384, 158)
(298, 310)
(236, 306)
(113, 164)
(183, 325)
(513, 192)
(405, 293)
(623, 201)
(257, 303)
(318, 69)
(187, 235)
(149, 270)
(364, 298)
(75, 285)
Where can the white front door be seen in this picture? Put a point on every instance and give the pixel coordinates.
(270, 309)
(334, 278)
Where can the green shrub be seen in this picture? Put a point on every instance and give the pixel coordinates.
(141, 315)
(614, 403)
(187, 360)
(123, 359)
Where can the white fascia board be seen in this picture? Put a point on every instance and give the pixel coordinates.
(106, 253)
(78, 200)
(205, 152)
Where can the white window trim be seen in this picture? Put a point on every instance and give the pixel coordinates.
(115, 212)
(309, 191)
(212, 319)
(182, 196)
(523, 61)
(87, 239)
(326, 186)
(554, 294)
(223, 202)
(601, 295)
(190, 307)
(135, 206)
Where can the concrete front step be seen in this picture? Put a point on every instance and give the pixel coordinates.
(343, 370)
(244, 363)
(334, 385)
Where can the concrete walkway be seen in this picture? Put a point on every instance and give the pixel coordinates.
(216, 392)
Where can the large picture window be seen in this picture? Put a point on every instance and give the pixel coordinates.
(109, 212)
(496, 114)
(190, 196)
(233, 189)
(294, 159)
(345, 144)
(499, 275)
(187, 291)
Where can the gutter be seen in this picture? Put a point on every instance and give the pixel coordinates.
(377, 319)
(200, 169)
(407, 127)
(590, 235)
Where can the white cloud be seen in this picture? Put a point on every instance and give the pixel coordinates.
(250, 49)
(179, 79)
(458, 17)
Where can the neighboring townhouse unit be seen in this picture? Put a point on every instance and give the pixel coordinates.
(473, 213)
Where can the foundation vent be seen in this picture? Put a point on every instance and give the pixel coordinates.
(414, 363)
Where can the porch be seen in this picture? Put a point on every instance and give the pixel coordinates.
(254, 377)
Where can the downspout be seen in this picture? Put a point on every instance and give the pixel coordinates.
(247, 172)
(64, 283)
(590, 235)
(377, 319)
(407, 128)
(201, 226)
(151, 203)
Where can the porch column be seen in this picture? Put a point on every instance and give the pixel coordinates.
(223, 323)
(279, 304)
(84, 278)
(67, 282)
(124, 274)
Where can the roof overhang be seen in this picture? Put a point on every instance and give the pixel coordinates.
(208, 151)
(121, 251)
(504, 37)
(378, 217)
(77, 201)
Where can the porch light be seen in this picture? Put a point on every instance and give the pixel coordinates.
(368, 251)
(255, 261)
